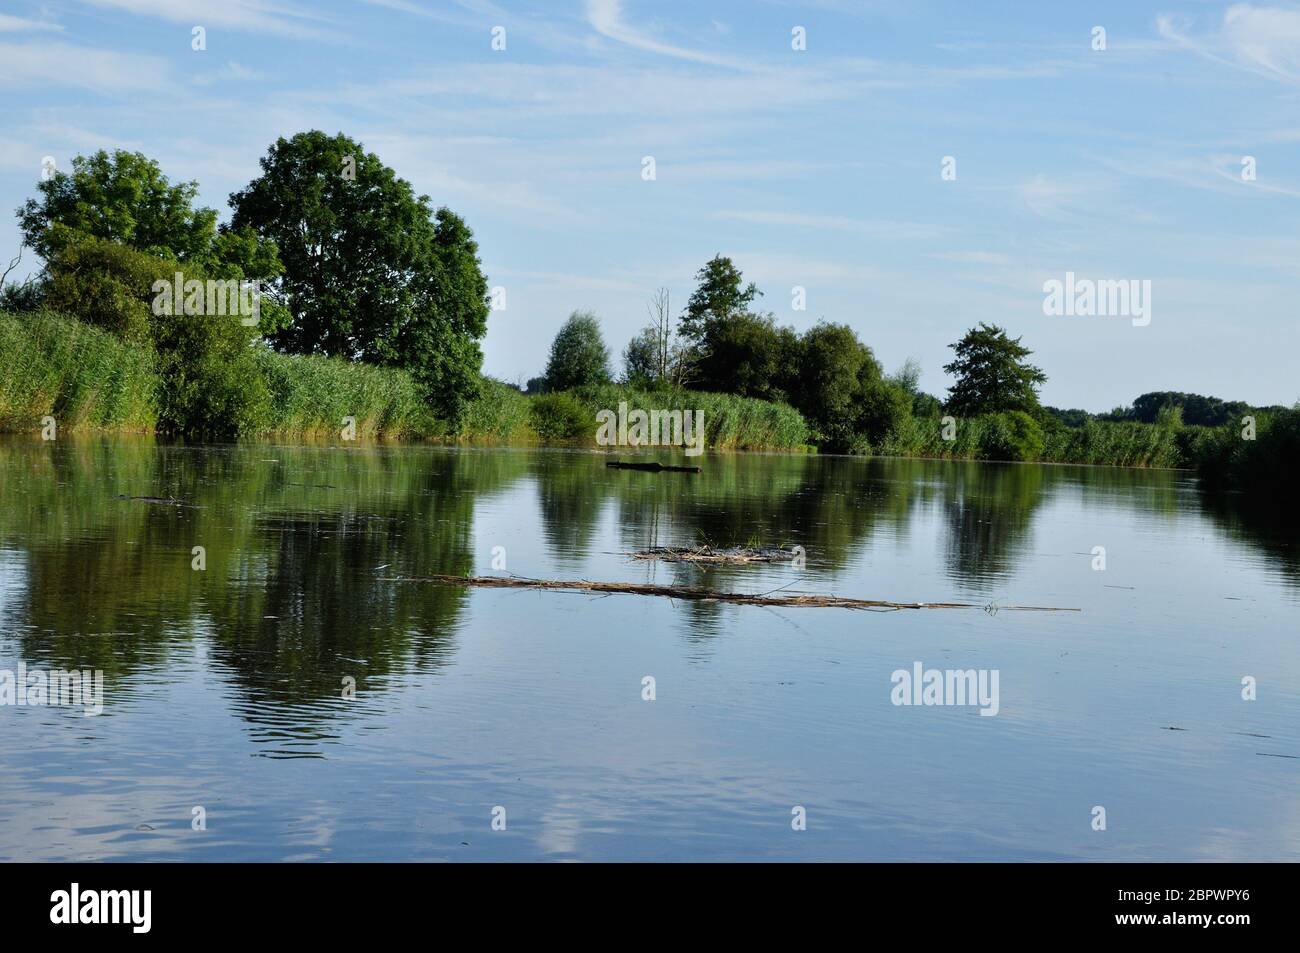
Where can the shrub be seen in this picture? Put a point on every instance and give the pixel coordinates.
(1011, 435)
(561, 416)
(104, 283)
(209, 383)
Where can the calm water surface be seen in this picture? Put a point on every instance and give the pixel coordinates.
(223, 687)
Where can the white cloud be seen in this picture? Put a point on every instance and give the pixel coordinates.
(12, 24)
(606, 18)
(259, 16)
(48, 65)
(1261, 40)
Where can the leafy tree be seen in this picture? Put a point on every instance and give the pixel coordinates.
(1196, 408)
(1069, 418)
(926, 405)
(720, 295)
(835, 372)
(747, 354)
(123, 197)
(908, 377)
(560, 417)
(370, 272)
(578, 354)
(884, 408)
(992, 374)
(641, 358)
(115, 224)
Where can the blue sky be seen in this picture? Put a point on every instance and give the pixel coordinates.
(817, 168)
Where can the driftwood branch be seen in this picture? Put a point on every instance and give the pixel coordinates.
(697, 593)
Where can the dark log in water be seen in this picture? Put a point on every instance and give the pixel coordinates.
(655, 467)
(701, 594)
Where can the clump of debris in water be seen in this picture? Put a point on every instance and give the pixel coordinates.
(718, 554)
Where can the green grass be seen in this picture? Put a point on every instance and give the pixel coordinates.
(499, 414)
(311, 395)
(1098, 442)
(81, 376)
(730, 422)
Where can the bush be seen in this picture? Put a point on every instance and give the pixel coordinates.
(561, 416)
(1011, 435)
(1265, 466)
(104, 283)
(209, 383)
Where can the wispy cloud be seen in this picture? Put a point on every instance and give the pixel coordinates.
(261, 16)
(877, 227)
(1261, 40)
(606, 18)
(231, 71)
(12, 24)
(55, 65)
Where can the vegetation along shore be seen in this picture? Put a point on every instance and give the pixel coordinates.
(359, 309)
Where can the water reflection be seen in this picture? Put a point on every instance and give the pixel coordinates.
(302, 545)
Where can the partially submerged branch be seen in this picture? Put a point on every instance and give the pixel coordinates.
(697, 593)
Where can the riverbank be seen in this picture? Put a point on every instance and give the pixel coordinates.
(88, 379)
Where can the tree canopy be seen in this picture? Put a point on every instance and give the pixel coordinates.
(992, 374)
(578, 354)
(370, 271)
(720, 294)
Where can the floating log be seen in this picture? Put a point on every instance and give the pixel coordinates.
(654, 467)
(710, 554)
(700, 594)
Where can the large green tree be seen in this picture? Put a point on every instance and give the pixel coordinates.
(841, 391)
(992, 374)
(721, 293)
(749, 355)
(124, 198)
(370, 271)
(121, 197)
(578, 354)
